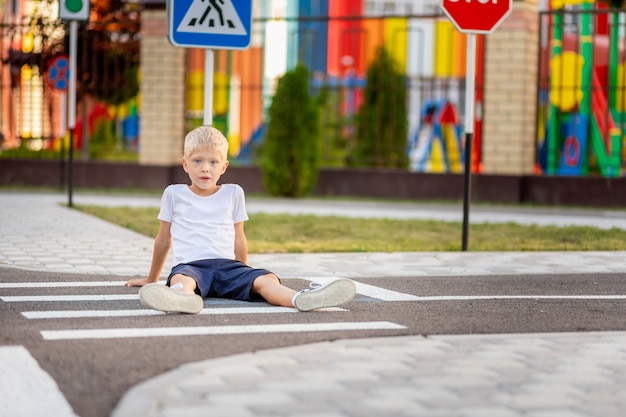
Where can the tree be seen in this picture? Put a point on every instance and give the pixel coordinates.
(291, 148)
(109, 50)
(381, 121)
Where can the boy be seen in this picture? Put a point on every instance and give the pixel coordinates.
(203, 225)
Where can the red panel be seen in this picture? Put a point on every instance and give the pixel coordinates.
(344, 35)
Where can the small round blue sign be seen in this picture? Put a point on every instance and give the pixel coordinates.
(59, 72)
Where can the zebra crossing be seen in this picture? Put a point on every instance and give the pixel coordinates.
(124, 305)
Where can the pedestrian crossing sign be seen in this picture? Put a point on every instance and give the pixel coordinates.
(219, 24)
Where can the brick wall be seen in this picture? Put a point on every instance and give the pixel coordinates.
(508, 145)
(162, 93)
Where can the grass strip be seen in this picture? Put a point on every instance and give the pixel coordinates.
(283, 233)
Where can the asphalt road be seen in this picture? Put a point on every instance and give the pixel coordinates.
(94, 366)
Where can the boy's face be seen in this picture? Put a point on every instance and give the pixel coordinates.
(205, 167)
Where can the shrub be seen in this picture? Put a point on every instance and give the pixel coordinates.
(381, 122)
(290, 152)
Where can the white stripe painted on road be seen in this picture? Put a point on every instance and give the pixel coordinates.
(383, 294)
(520, 297)
(370, 290)
(61, 284)
(73, 314)
(64, 298)
(216, 330)
(389, 295)
(131, 297)
(26, 390)
(76, 314)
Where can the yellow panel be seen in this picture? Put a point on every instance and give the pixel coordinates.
(396, 30)
(195, 91)
(220, 93)
(444, 31)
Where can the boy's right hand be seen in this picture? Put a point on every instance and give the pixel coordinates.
(139, 282)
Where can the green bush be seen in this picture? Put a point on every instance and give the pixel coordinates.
(381, 121)
(291, 148)
(333, 127)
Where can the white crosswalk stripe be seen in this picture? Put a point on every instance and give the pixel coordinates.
(73, 314)
(67, 298)
(61, 284)
(216, 330)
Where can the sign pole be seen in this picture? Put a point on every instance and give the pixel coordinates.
(222, 25)
(208, 87)
(72, 10)
(469, 131)
(472, 17)
(71, 112)
(62, 132)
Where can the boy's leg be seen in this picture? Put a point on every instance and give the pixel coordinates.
(163, 298)
(188, 284)
(269, 287)
(334, 294)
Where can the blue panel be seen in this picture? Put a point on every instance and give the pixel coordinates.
(313, 35)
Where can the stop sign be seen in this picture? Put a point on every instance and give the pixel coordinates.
(477, 16)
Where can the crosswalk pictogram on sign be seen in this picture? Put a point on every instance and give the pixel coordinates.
(220, 24)
(212, 17)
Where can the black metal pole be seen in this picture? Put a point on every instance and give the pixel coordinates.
(467, 189)
(469, 132)
(62, 165)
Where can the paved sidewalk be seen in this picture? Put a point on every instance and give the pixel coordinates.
(536, 375)
(581, 374)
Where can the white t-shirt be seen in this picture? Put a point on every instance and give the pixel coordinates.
(203, 227)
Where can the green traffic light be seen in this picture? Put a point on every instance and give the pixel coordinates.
(74, 6)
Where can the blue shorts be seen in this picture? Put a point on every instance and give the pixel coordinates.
(221, 278)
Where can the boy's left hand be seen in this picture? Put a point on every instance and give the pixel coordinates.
(139, 282)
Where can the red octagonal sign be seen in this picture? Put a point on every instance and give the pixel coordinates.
(477, 16)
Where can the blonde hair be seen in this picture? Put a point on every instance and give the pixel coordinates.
(205, 138)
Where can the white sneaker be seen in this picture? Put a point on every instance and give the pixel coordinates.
(322, 296)
(163, 298)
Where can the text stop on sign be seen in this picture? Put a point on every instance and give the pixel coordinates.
(477, 16)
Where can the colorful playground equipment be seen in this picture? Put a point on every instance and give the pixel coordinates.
(437, 146)
(577, 124)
